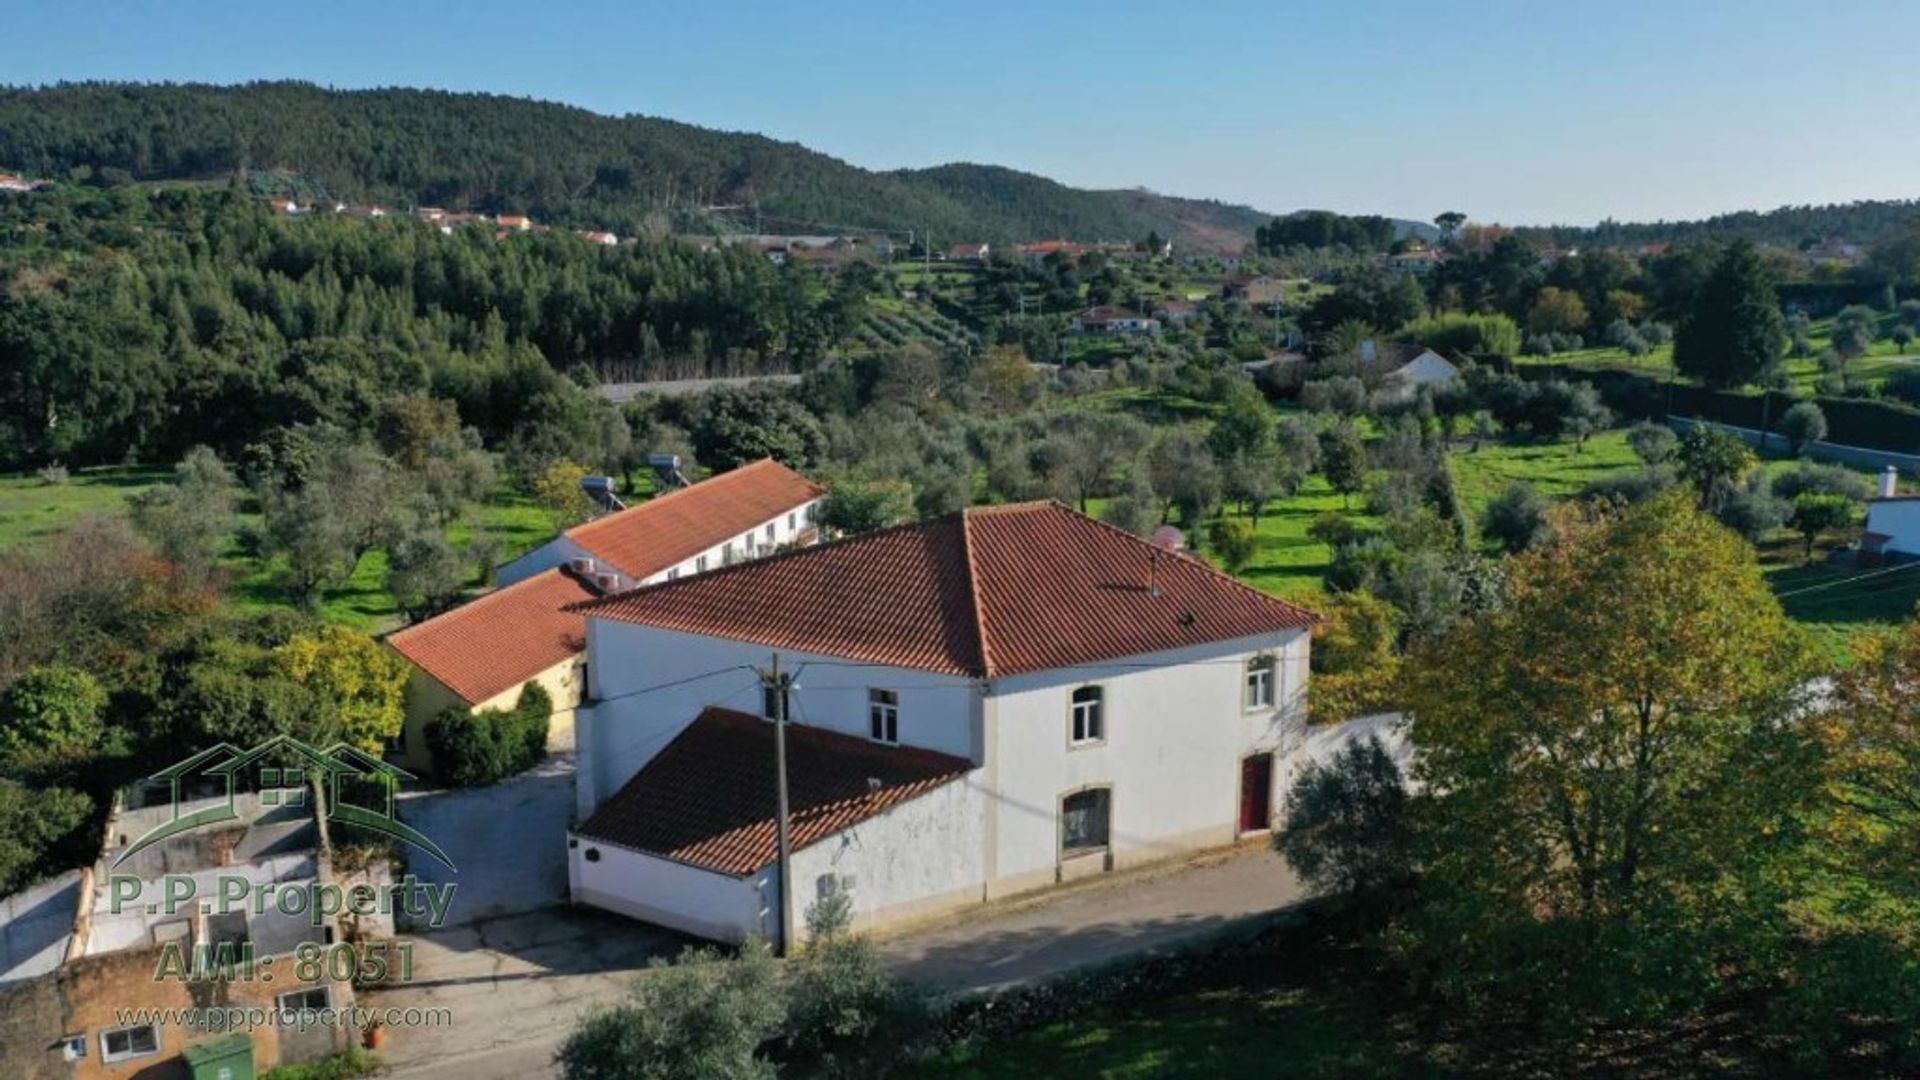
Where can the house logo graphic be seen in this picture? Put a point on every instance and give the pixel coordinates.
(283, 768)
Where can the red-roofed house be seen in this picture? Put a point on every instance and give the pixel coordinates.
(481, 654)
(746, 512)
(985, 703)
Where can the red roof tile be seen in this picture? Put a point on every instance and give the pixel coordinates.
(708, 798)
(989, 592)
(502, 639)
(672, 528)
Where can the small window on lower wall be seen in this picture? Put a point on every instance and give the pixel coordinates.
(124, 1044)
(1084, 821)
(311, 999)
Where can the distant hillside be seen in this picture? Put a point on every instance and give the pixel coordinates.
(560, 163)
(1867, 222)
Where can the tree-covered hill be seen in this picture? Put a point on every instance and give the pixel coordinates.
(1865, 222)
(559, 163)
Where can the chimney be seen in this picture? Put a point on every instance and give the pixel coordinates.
(1889, 482)
(1153, 573)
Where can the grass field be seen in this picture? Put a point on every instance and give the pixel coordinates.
(1881, 359)
(31, 510)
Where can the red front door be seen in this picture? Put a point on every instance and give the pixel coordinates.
(1256, 789)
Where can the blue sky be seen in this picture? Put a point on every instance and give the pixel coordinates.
(1522, 112)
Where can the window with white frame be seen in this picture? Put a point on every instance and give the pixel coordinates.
(883, 715)
(700, 565)
(123, 1044)
(1089, 716)
(770, 528)
(793, 521)
(1084, 821)
(1259, 693)
(312, 999)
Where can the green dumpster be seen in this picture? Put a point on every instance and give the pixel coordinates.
(229, 1057)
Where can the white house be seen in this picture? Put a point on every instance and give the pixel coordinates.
(1115, 320)
(1427, 368)
(985, 704)
(749, 511)
(1893, 521)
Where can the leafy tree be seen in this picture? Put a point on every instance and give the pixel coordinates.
(32, 822)
(1347, 829)
(1733, 332)
(1808, 476)
(425, 574)
(1343, 460)
(557, 489)
(1481, 336)
(1616, 766)
(855, 506)
(1803, 424)
(1814, 513)
(1245, 425)
(1750, 507)
(1449, 224)
(1854, 329)
(1185, 476)
(1557, 311)
(1087, 450)
(1334, 529)
(1517, 519)
(704, 1014)
(359, 684)
(1711, 459)
(847, 1012)
(732, 426)
(1234, 541)
(192, 519)
(51, 714)
(1654, 444)
(346, 506)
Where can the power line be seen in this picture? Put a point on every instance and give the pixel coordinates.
(1846, 580)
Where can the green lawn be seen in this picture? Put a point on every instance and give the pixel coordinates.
(1288, 562)
(1881, 359)
(31, 509)
(1556, 470)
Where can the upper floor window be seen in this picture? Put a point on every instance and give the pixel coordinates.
(793, 521)
(770, 528)
(1259, 693)
(883, 715)
(673, 573)
(1089, 715)
(700, 565)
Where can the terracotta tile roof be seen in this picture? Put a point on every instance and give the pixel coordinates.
(988, 592)
(708, 798)
(672, 528)
(502, 639)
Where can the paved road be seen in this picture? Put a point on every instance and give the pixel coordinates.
(508, 841)
(518, 985)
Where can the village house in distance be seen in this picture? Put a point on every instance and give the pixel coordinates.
(481, 654)
(984, 704)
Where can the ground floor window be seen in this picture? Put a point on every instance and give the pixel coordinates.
(121, 1044)
(1083, 821)
(311, 999)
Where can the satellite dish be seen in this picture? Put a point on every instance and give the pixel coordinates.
(1168, 538)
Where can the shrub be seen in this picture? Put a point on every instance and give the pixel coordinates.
(1346, 827)
(471, 749)
(52, 475)
(1653, 443)
(51, 713)
(1472, 335)
(704, 1014)
(1627, 487)
(1517, 518)
(1234, 541)
(1821, 479)
(1803, 424)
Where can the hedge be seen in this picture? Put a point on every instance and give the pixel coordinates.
(1874, 424)
(472, 749)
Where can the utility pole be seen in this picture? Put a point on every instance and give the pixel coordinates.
(781, 684)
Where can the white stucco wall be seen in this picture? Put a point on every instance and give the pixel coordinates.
(622, 730)
(1900, 519)
(918, 858)
(671, 894)
(1176, 732)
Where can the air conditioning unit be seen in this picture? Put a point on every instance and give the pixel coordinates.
(607, 582)
(581, 565)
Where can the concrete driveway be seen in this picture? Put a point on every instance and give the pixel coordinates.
(518, 985)
(508, 842)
